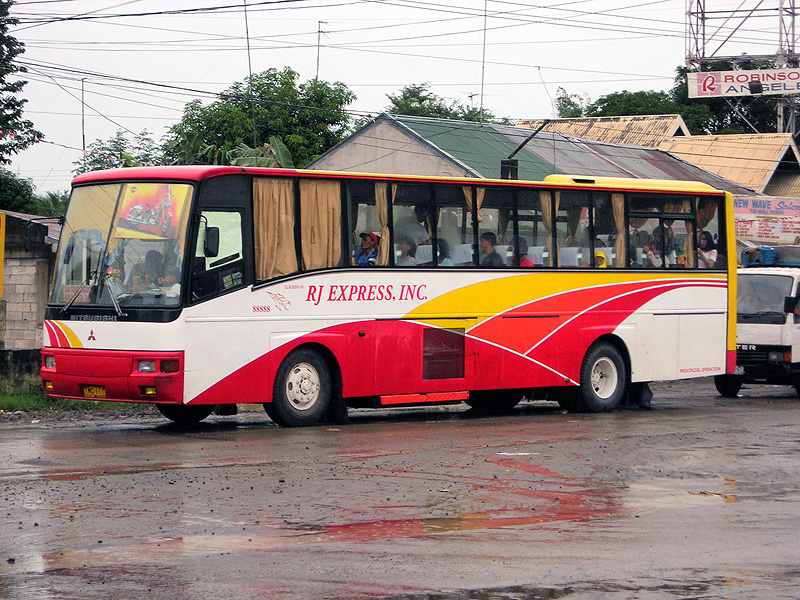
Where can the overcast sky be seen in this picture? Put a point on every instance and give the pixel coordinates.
(99, 66)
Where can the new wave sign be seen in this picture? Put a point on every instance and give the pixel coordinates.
(718, 84)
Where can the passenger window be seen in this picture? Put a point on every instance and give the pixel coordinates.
(368, 230)
(573, 230)
(414, 222)
(495, 226)
(454, 231)
(531, 227)
(273, 225)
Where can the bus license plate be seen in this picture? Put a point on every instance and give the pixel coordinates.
(94, 391)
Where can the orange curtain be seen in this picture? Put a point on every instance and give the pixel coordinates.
(273, 223)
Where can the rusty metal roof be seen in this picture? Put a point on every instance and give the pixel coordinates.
(749, 159)
(637, 130)
(481, 147)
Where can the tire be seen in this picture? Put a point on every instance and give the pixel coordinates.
(185, 415)
(728, 385)
(302, 390)
(494, 401)
(604, 379)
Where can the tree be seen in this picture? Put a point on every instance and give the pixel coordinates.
(118, 151)
(15, 194)
(16, 133)
(701, 115)
(570, 105)
(416, 100)
(308, 117)
(51, 204)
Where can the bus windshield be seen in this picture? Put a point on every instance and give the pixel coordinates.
(760, 297)
(122, 244)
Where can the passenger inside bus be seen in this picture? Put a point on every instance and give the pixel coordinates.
(489, 257)
(706, 251)
(415, 227)
(519, 248)
(600, 259)
(367, 255)
(146, 274)
(444, 253)
(407, 251)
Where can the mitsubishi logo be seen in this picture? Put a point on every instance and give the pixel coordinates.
(91, 335)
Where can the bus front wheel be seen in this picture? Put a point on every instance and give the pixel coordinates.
(185, 415)
(728, 385)
(603, 378)
(302, 390)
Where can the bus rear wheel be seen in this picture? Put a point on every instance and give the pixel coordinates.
(185, 415)
(603, 378)
(302, 390)
(728, 385)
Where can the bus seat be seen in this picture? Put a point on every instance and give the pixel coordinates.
(462, 254)
(424, 254)
(536, 255)
(568, 257)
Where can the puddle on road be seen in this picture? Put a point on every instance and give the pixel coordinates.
(684, 493)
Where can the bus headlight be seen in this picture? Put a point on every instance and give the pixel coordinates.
(776, 356)
(50, 361)
(146, 366)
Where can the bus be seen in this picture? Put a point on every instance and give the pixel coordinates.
(200, 288)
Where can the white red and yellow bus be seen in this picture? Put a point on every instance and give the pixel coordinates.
(209, 286)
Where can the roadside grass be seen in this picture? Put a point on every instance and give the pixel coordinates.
(30, 397)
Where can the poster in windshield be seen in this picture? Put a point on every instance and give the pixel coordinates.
(150, 208)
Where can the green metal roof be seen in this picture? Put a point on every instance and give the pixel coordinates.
(480, 147)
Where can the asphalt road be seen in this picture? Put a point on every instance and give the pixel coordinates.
(697, 498)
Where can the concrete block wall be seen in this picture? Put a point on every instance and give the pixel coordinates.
(26, 279)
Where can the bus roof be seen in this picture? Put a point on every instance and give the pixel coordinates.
(203, 172)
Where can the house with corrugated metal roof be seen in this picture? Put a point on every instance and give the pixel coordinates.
(439, 147)
(635, 130)
(769, 163)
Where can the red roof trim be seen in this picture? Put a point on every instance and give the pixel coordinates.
(204, 172)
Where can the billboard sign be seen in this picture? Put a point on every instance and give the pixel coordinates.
(718, 84)
(767, 219)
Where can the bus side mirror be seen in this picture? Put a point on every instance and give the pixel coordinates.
(211, 244)
(789, 304)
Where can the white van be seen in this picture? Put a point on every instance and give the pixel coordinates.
(768, 320)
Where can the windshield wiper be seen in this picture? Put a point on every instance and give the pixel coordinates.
(112, 295)
(89, 278)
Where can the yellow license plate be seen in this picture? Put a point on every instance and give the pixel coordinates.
(94, 391)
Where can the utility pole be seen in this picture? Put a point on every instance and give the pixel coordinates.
(319, 39)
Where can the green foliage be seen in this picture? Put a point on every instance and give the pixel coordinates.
(309, 118)
(16, 133)
(118, 151)
(31, 397)
(701, 115)
(416, 100)
(570, 105)
(15, 194)
(51, 204)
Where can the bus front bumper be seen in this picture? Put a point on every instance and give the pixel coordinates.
(113, 375)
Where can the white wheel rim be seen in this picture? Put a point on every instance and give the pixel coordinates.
(604, 378)
(302, 386)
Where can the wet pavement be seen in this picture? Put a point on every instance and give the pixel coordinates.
(697, 498)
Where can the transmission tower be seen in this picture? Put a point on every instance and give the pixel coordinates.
(713, 35)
